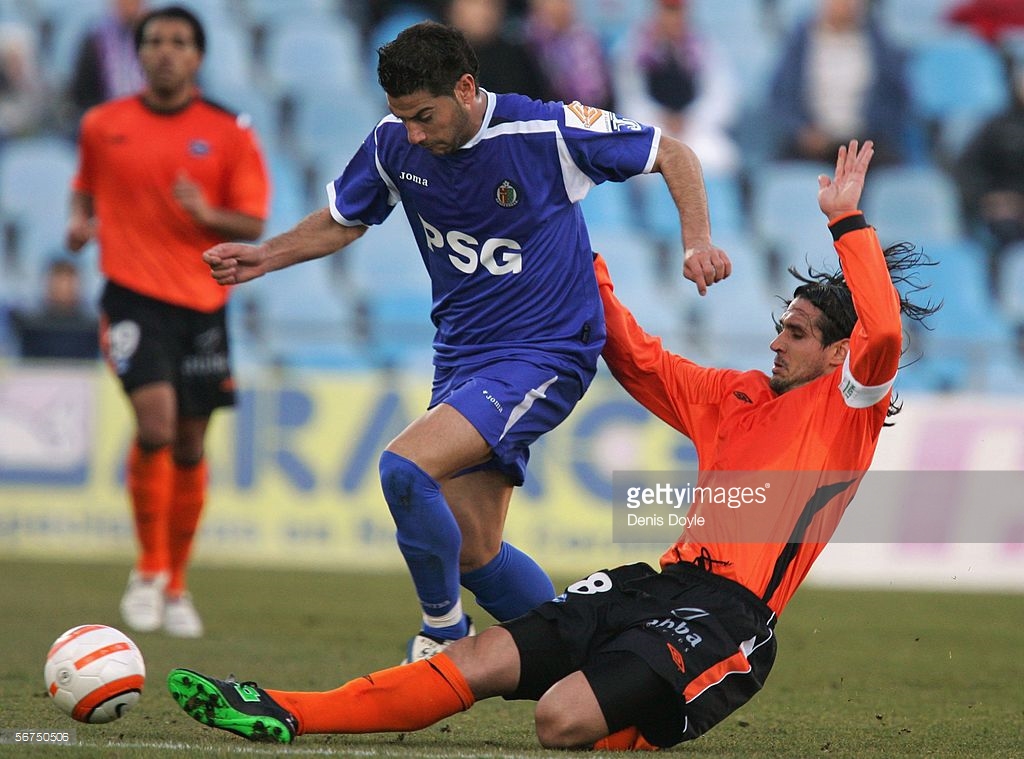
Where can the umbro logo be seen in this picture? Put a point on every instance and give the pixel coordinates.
(742, 396)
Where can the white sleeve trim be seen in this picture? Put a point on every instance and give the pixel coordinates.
(857, 395)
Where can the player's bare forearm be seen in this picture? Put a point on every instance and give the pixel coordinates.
(703, 263)
(314, 237)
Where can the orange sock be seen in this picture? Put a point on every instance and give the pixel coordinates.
(187, 499)
(408, 697)
(149, 488)
(627, 739)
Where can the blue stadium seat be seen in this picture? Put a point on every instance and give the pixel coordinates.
(913, 22)
(969, 318)
(915, 203)
(260, 108)
(68, 23)
(1011, 283)
(612, 205)
(956, 73)
(308, 54)
(660, 216)
(785, 217)
(334, 121)
(725, 18)
(227, 66)
(35, 184)
(386, 258)
(654, 297)
(269, 13)
(789, 13)
(734, 320)
(611, 20)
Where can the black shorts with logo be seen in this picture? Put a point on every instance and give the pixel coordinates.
(145, 340)
(671, 652)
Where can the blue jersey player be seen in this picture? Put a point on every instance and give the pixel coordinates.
(490, 184)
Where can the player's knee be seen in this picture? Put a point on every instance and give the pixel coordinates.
(557, 728)
(401, 480)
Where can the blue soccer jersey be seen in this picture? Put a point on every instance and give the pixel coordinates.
(498, 223)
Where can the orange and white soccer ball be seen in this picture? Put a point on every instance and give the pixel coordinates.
(94, 673)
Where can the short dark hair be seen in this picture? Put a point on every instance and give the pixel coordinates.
(425, 56)
(173, 12)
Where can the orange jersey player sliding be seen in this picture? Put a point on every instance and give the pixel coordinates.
(631, 657)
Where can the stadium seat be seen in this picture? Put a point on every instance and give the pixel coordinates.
(789, 13)
(969, 319)
(386, 257)
(35, 181)
(611, 19)
(261, 109)
(272, 12)
(1011, 283)
(956, 73)
(915, 22)
(227, 66)
(612, 205)
(785, 218)
(305, 54)
(333, 121)
(67, 24)
(734, 322)
(745, 39)
(655, 297)
(723, 18)
(918, 204)
(660, 216)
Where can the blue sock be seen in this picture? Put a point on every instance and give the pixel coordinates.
(510, 584)
(429, 539)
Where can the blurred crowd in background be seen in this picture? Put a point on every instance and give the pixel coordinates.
(763, 90)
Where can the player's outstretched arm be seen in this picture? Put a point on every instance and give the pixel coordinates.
(876, 341)
(703, 262)
(315, 236)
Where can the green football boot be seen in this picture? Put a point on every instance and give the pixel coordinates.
(240, 708)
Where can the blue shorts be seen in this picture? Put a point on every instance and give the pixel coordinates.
(511, 404)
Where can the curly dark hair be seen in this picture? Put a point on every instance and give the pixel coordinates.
(829, 291)
(426, 56)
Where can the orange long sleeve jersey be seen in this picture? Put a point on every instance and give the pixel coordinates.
(821, 436)
(129, 160)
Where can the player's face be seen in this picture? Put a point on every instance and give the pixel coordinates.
(169, 56)
(440, 124)
(799, 355)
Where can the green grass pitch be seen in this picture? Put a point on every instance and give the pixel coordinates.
(859, 673)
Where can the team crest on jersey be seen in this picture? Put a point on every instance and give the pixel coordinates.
(506, 195)
(199, 147)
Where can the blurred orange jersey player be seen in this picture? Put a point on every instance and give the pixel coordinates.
(162, 176)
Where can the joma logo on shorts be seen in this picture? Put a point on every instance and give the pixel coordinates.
(467, 253)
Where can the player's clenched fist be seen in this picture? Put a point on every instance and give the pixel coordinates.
(232, 263)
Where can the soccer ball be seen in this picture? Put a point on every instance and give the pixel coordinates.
(94, 673)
